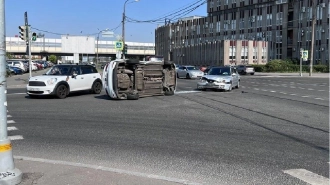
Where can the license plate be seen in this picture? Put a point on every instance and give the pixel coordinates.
(209, 84)
(221, 86)
(34, 89)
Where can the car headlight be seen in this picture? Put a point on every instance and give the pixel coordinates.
(221, 81)
(51, 81)
(203, 79)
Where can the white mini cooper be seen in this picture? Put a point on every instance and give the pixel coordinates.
(60, 80)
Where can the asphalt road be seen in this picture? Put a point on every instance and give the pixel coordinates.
(251, 135)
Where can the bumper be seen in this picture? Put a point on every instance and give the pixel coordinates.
(205, 85)
(196, 76)
(39, 90)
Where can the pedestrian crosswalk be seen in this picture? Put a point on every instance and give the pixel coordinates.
(308, 176)
(11, 127)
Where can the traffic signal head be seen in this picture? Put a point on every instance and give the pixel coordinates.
(23, 33)
(125, 49)
(34, 36)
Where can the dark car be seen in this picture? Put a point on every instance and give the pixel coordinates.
(15, 70)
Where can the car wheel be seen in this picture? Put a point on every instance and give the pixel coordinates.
(97, 87)
(177, 75)
(61, 91)
(132, 96)
(169, 93)
(188, 76)
(252, 73)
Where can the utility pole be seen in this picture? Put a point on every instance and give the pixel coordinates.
(312, 42)
(9, 175)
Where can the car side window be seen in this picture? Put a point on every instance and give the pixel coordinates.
(94, 70)
(86, 70)
(76, 70)
(181, 68)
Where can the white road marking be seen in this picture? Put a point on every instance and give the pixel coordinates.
(310, 89)
(16, 93)
(305, 96)
(17, 137)
(264, 90)
(283, 93)
(319, 99)
(11, 128)
(292, 87)
(308, 177)
(10, 121)
(301, 88)
(103, 168)
(293, 94)
(9, 116)
(320, 90)
(185, 92)
(273, 91)
(256, 89)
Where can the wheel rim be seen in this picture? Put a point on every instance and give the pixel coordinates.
(97, 87)
(62, 91)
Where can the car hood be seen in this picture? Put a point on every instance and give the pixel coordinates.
(217, 77)
(44, 78)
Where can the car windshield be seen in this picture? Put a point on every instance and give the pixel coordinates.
(58, 70)
(191, 68)
(220, 71)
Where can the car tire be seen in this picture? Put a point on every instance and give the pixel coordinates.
(61, 91)
(132, 96)
(187, 76)
(169, 93)
(177, 75)
(252, 73)
(97, 87)
(237, 86)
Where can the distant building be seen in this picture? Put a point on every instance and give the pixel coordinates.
(283, 26)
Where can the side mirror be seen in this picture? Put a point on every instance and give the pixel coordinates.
(74, 75)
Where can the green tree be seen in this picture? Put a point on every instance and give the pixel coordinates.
(9, 56)
(53, 59)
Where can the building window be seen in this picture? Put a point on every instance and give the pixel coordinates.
(233, 24)
(218, 29)
(255, 55)
(278, 36)
(241, 24)
(259, 20)
(269, 19)
(279, 17)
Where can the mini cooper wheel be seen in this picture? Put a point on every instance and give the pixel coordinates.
(97, 87)
(61, 91)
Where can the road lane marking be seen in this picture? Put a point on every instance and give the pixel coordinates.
(11, 128)
(310, 89)
(273, 91)
(16, 137)
(292, 87)
(308, 177)
(283, 92)
(185, 92)
(319, 99)
(9, 116)
(256, 89)
(305, 96)
(293, 94)
(10, 121)
(320, 90)
(108, 169)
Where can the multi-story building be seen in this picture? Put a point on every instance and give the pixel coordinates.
(285, 26)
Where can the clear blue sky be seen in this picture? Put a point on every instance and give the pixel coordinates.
(86, 16)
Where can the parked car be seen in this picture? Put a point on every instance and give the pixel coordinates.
(132, 79)
(220, 78)
(61, 80)
(15, 70)
(17, 63)
(189, 72)
(245, 69)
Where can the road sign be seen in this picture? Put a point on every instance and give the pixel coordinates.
(119, 45)
(107, 33)
(304, 55)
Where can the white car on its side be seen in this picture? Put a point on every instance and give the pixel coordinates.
(61, 80)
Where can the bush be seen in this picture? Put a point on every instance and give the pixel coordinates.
(288, 66)
(8, 73)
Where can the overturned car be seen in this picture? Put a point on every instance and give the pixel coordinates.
(132, 79)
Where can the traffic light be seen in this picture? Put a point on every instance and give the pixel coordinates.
(34, 36)
(125, 49)
(23, 33)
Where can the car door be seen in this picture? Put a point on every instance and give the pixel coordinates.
(183, 71)
(76, 82)
(179, 72)
(234, 77)
(89, 75)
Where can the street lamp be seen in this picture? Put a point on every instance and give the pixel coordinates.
(301, 56)
(123, 23)
(97, 44)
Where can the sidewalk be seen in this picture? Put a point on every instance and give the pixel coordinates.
(314, 75)
(57, 173)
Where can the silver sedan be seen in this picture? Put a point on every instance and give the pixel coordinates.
(221, 78)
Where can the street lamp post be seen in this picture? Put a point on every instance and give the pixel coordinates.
(123, 24)
(301, 54)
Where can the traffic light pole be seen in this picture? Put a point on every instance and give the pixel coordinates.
(9, 175)
(29, 45)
